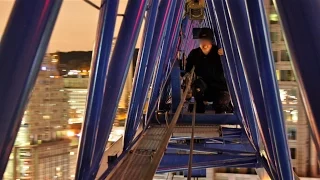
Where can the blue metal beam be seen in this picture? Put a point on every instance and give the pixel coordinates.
(116, 75)
(172, 27)
(301, 28)
(101, 53)
(22, 48)
(135, 103)
(175, 86)
(238, 80)
(157, 40)
(179, 162)
(203, 119)
(215, 147)
(237, 68)
(242, 30)
(260, 33)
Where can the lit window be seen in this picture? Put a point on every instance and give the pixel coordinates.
(46, 117)
(43, 68)
(288, 96)
(274, 19)
(71, 153)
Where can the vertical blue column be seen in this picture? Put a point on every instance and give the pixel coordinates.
(172, 26)
(301, 27)
(157, 40)
(23, 46)
(242, 29)
(236, 68)
(116, 75)
(140, 73)
(101, 53)
(266, 66)
(239, 83)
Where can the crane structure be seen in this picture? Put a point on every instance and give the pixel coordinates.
(167, 138)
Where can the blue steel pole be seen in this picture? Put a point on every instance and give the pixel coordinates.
(140, 75)
(101, 53)
(157, 40)
(172, 27)
(116, 76)
(240, 85)
(236, 68)
(241, 29)
(232, 79)
(23, 45)
(301, 28)
(261, 39)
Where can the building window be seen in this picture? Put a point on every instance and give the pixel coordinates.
(293, 153)
(285, 55)
(292, 133)
(274, 36)
(286, 75)
(289, 96)
(274, 19)
(275, 56)
(291, 115)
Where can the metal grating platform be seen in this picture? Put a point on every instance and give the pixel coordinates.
(135, 164)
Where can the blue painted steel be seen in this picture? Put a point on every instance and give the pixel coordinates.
(301, 27)
(225, 26)
(116, 76)
(162, 16)
(203, 119)
(241, 27)
(107, 20)
(122, 155)
(179, 162)
(176, 86)
(171, 29)
(23, 45)
(214, 147)
(196, 173)
(238, 80)
(266, 66)
(135, 104)
(262, 123)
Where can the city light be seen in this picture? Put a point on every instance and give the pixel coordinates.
(70, 133)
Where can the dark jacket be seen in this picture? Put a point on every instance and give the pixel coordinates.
(208, 67)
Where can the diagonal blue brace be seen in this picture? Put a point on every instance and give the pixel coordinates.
(116, 75)
(105, 30)
(169, 41)
(203, 119)
(242, 30)
(301, 28)
(22, 48)
(214, 147)
(157, 39)
(238, 80)
(266, 66)
(179, 162)
(136, 105)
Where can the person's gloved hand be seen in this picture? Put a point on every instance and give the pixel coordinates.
(220, 52)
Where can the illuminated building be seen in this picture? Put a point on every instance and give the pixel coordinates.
(41, 148)
(300, 143)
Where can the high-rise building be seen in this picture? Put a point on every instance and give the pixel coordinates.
(300, 142)
(42, 146)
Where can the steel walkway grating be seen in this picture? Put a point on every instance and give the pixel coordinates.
(135, 163)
